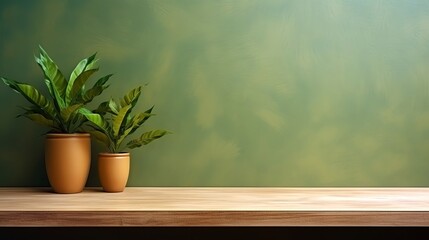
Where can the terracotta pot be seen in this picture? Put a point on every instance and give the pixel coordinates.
(67, 160)
(113, 171)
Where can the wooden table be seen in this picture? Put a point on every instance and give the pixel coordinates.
(227, 206)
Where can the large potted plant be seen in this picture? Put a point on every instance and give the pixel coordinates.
(112, 123)
(67, 148)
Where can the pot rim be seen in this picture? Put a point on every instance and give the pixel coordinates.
(68, 135)
(110, 154)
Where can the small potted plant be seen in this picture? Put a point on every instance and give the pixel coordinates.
(112, 123)
(67, 149)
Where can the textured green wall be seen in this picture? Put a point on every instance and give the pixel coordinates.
(257, 93)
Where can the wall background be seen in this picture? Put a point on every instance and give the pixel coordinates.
(257, 93)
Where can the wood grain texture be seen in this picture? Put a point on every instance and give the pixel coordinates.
(217, 207)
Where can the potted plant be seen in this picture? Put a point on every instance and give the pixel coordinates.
(112, 123)
(67, 149)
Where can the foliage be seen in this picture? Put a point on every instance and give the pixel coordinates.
(113, 123)
(61, 111)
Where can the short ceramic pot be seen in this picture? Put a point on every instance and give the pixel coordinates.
(113, 171)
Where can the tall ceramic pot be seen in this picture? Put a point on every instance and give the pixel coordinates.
(67, 160)
(113, 171)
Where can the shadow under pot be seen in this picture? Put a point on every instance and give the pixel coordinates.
(67, 161)
(113, 171)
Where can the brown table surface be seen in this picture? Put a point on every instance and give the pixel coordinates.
(216, 206)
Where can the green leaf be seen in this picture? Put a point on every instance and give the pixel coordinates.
(99, 124)
(133, 125)
(33, 109)
(40, 119)
(48, 84)
(92, 64)
(84, 111)
(113, 106)
(96, 90)
(58, 100)
(89, 95)
(81, 67)
(132, 97)
(119, 119)
(32, 95)
(122, 137)
(96, 119)
(74, 87)
(100, 136)
(76, 121)
(52, 72)
(146, 138)
(67, 112)
(103, 108)
(138, 120)
(102, 80)
(55, 93)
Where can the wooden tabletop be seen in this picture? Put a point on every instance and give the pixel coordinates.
(228, 206)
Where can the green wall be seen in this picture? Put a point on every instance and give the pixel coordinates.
(257, 93)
